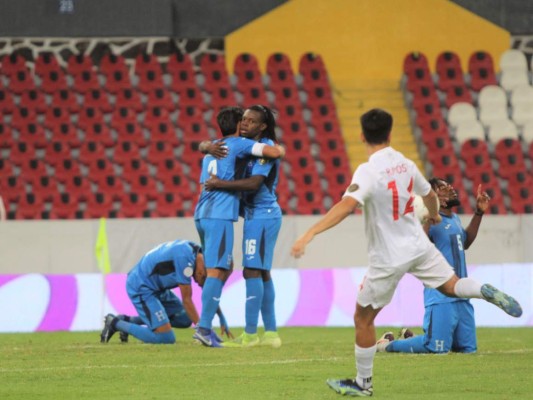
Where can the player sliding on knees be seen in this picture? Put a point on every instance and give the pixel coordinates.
(169, 265)
(384, 187)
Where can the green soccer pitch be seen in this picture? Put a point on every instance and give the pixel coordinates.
(64, 365)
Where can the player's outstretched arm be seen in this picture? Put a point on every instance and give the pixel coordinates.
(334, 216)
(188, 305)
(251, 184)
(482, 204)
(276, 151)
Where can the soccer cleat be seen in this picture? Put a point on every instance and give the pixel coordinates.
(108, 330)
(384, 341)
(501, 300)
(123, 335)
(405, 333)
(247, 339)
(207, 338)
(349, 387)
(272, 339)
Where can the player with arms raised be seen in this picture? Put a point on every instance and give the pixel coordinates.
(397, 244)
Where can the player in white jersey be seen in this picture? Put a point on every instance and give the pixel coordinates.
(384, 187)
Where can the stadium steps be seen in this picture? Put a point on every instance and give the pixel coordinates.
(355, 97)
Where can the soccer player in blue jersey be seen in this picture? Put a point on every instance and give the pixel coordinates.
(169, 265)
(262, 222)
(449, 323)
(217, 210)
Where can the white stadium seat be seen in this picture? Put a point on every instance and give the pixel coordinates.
(502, 129)
(511, 59)
(461, 112)
(469, 130)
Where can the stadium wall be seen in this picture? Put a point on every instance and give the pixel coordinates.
(366, 39)
(313, 297)
(67, 247)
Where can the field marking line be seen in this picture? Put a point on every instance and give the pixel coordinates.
(173, 365)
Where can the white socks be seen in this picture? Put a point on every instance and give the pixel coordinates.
(364, 361)
(468, 288)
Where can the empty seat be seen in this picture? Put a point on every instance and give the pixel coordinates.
(67, 100)
(461, 112)
(508, 153)
(492, 95)
(469, 130)
(481, 70)
(149, 71)
(527, 133)
(7, 104)
(97, 98)
(513, 78)
(160, 97)
(169, 204)
(34, 100)
(457, 94)
(513, 59)
(522, 113)
(98, 205)
(213, 67)
(522, 95)
(449, 70)
(132, 205)
(491, 113)
(502, 129)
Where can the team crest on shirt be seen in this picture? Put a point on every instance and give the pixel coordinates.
(188, 271)
(262, 161)
(353, 187)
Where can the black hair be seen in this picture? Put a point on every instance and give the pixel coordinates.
(434, 182)
(228, 119)
(267, 117)
(377, 125)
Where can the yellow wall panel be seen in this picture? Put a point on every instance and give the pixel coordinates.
(367, 39)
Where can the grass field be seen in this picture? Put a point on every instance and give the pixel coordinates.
(67, 365)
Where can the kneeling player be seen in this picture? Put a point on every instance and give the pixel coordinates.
(148, 285)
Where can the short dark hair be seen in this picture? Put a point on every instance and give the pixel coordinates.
(377, 125)
(435, 182)
(228, 119)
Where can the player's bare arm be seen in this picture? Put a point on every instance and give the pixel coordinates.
(482, 204)
(216, 149)
(276, 151)
(333, 217)
(190, 308)
(251, 184)
(431, 201)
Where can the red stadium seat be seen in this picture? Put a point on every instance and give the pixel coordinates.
(128, 98)
(160, 97)
(149, 71)
(66, 100)
(30, 206)
(21, 81)
(22, 116)
(180, 68)
(97, 98)
(90, 151)
(65, 169)
(12, 63)
(34, 100)
(162, 131)
(57, 152)
(65, 206)
(56, 116)
(508, 153)
(33, 134)
(20, 153)
(79, 63)
(7, 104)
(449, 70)
(6, 136)
(124, 152)
(132, 205)
(78, 187)
(169, 204)
(481, 70)
(111, 185)
(98, 205)
(143, 185)
(213, 67)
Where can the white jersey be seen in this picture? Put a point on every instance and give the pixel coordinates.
(385, 187)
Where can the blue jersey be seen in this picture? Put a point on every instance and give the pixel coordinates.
(448, 237)
(164, 267)
(263, 203)
(218, 204)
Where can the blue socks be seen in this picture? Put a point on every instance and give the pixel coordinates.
(411, 345)
(267, 307)
(254, 299)
(145, 334)
(211, 293)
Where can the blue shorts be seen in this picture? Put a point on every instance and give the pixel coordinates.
(216, 236)
(450, 327)
(258, 242)
(155, 309)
